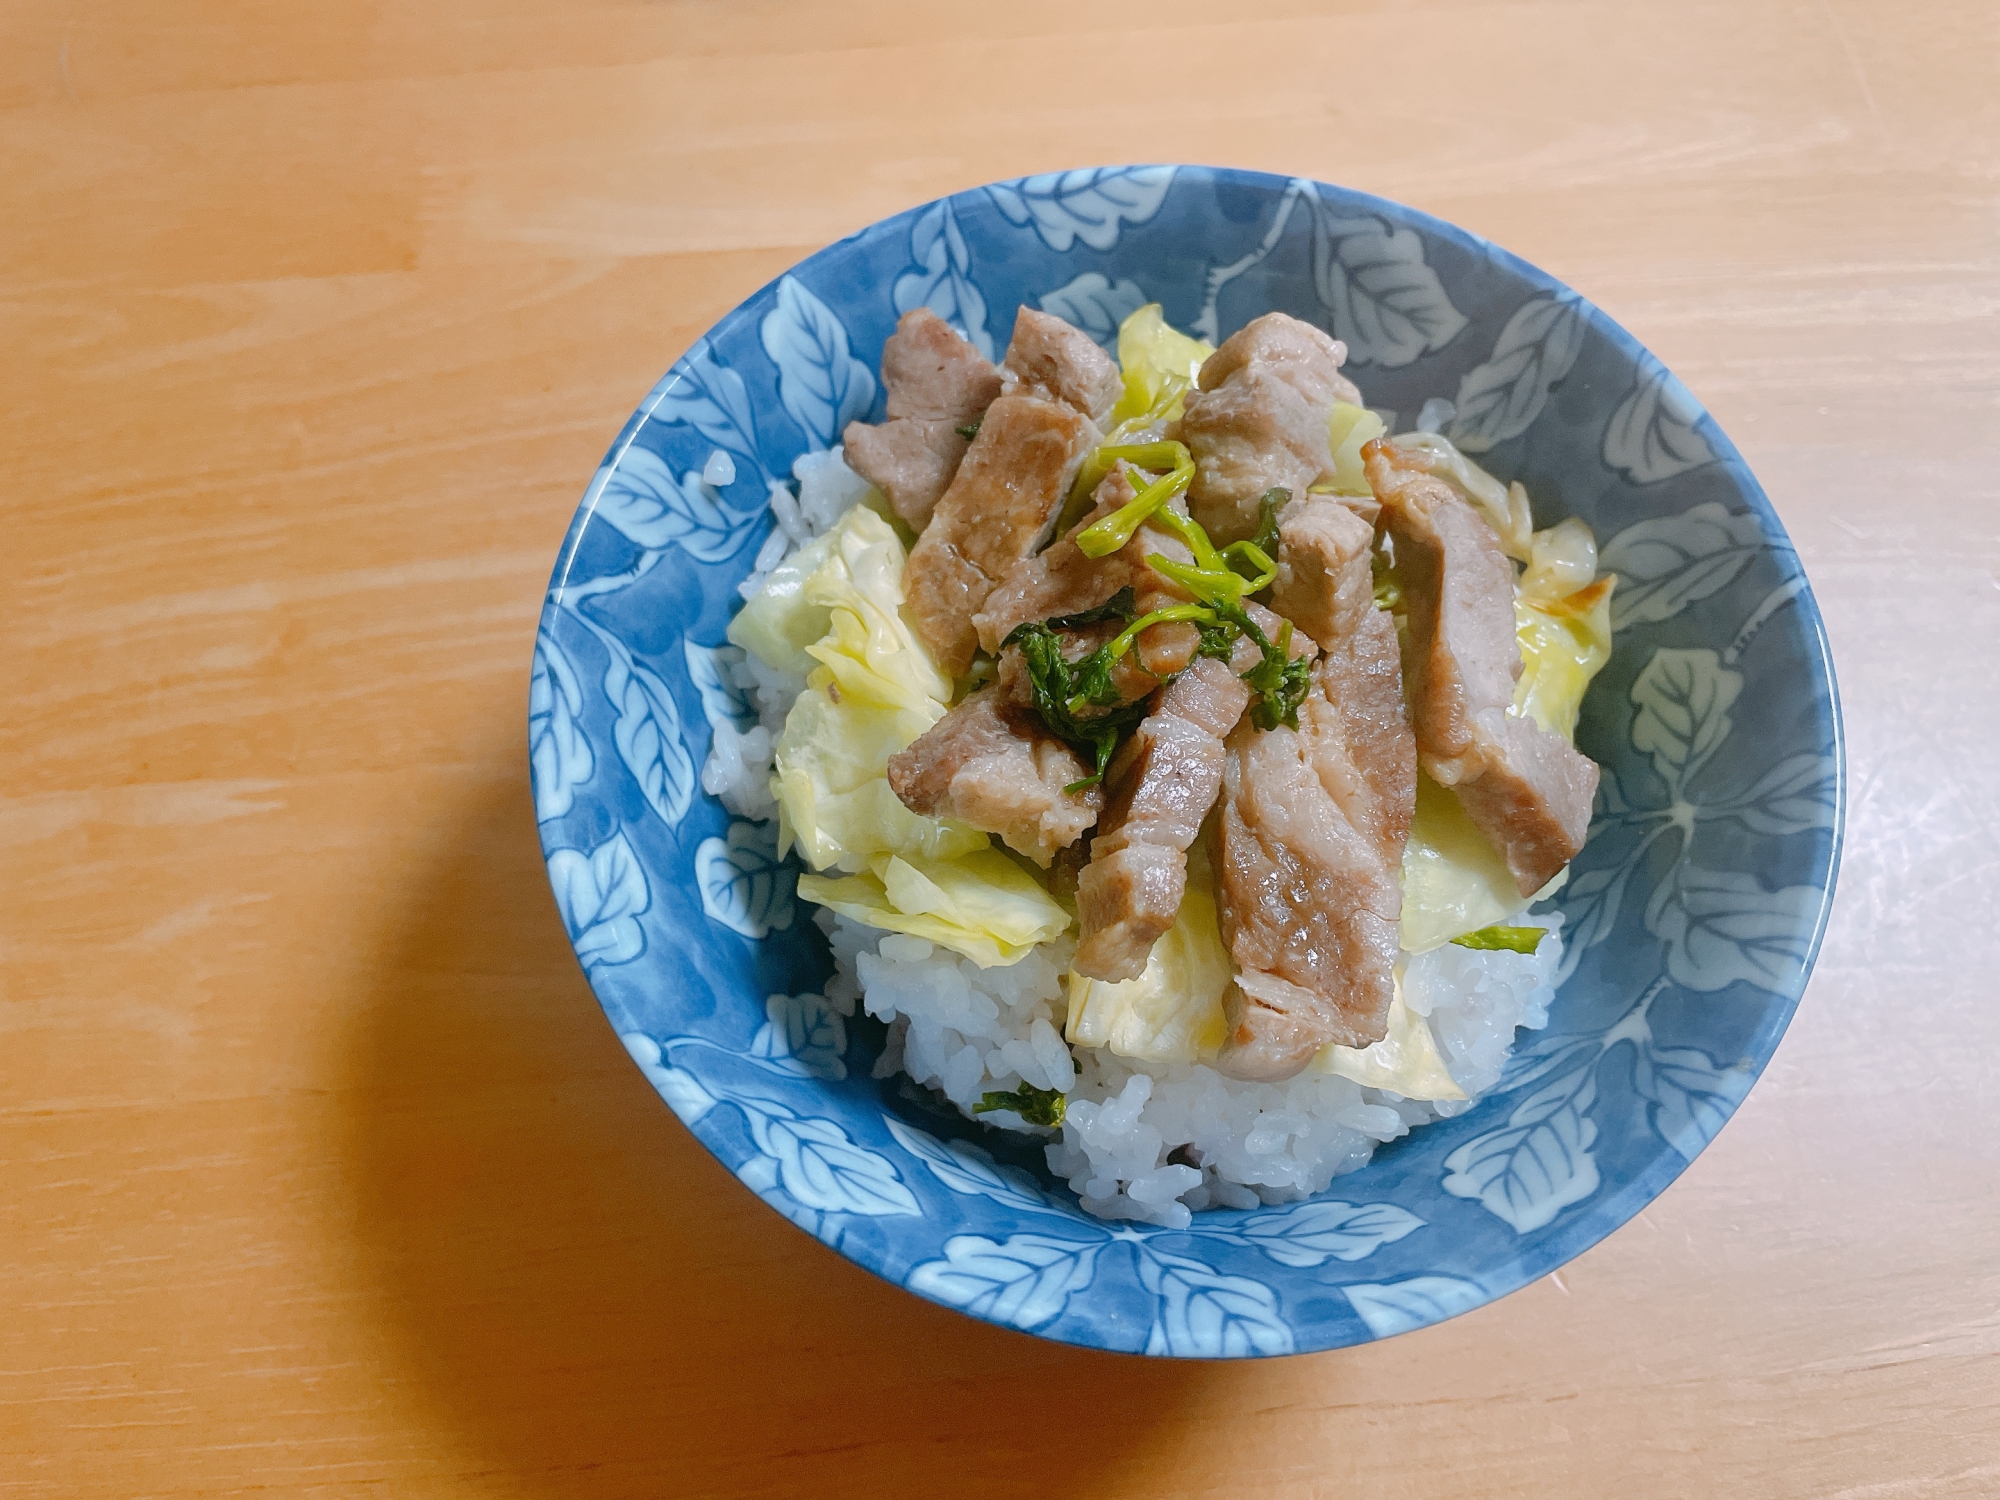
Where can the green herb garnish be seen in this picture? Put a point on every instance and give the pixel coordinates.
(1513, 939)
(1120, 606)
(1036, 1106)
(1275, 499)
(1281, 680)
(971, 429)
(1252, 564)
(1104, 537)
(1063, 689)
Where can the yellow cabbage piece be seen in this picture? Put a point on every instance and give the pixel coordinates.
(1159, 364)
(1564, 642)
(836, 608)
(1348, 429)
(1504, 507)
(1453, 880)
(1561, 560)
(778, 622)
(1173, 1011)
(980, 904)
(1406, 1061)
(873, 688)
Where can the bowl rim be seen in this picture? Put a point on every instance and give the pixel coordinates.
(1608, 1211)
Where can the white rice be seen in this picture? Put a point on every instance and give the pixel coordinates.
(1149, 1141)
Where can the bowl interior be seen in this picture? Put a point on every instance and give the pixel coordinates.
(1692, 915)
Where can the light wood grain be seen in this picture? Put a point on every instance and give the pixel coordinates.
(323, 1175)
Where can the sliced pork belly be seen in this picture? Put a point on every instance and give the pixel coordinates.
(1161, 785)
(998, 510)
(1529, 791)
(1051, 359)
(936, 383)
(1259, 420)
(1309, 860)
(990, 763)
(1324, 585)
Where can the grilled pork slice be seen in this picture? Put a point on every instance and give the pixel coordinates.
(1309, 858)
(1259, 420)
(1529, 791)
(1324, 585)
(1049, 358)
(1161, 785)
(998, 510)
(1061, 581)
(936, 383)
(991, 763)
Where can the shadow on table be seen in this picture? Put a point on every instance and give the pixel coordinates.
(598, 1305)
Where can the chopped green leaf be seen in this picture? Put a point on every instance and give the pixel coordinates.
(1061, 689)
(1275, 499)
(1513, 939)
(971, 429)
(1280, 680)
(1217, 640)
(1036, 1106)
(1281, 683)
(1120, 606)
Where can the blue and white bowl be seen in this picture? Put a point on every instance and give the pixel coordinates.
(1692, 916)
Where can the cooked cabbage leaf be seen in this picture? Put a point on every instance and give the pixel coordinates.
(1173, 1011)
(1561, 560)
(1503, 506)
(980, 904)
(1159, 364)
(1348, 429)
(778, 622)
(1454, 881)
(1406, 1061)
(1564, 643)
(872, 689)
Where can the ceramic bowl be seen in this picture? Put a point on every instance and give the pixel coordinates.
(1692, 916)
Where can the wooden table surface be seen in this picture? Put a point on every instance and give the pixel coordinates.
(322, 1173)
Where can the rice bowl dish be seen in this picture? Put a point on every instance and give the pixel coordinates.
(1122, 1067)
(915, 1129)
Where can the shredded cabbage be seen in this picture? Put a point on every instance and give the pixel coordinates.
(1173, 1012)
(980, 904)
